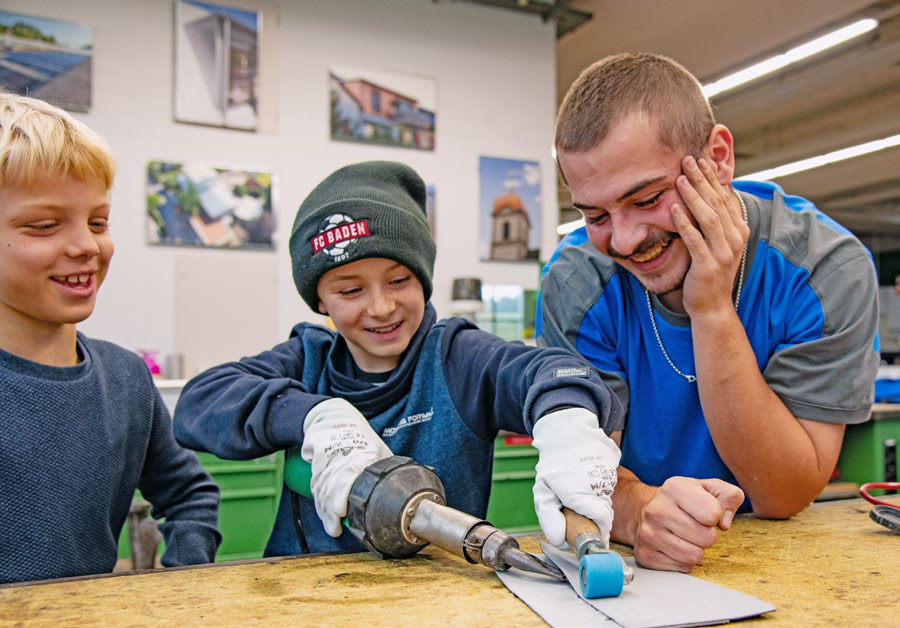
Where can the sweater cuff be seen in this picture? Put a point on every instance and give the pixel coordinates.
(189, 542)
(569, 397)
(286, 416)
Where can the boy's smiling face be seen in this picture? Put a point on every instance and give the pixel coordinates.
(377, 306)
(55, 249)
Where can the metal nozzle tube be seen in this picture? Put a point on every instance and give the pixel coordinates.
(473, 539)
(445, 527)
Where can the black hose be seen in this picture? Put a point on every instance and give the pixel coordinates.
(298, 523)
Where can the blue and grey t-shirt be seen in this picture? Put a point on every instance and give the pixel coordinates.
(808, 304)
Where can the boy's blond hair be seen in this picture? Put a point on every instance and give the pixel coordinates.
(36, 136)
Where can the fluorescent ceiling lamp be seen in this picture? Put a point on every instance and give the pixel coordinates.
(568, 227)
(791, 56)
(821, 160)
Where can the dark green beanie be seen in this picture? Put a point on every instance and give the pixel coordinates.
(372, 209)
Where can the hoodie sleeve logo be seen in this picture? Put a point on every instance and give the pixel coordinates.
(572, 372)
(336, 233)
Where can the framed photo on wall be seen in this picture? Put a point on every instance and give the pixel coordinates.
(379, 107)
(46, 59)
(510, 209)
(198, 204)
(216, 65)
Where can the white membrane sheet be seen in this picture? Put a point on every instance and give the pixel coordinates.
(655, 598)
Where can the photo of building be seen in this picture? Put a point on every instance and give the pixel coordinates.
(216, 65)
(382, 108)
(510, 209)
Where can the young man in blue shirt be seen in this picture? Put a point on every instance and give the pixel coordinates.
(83, 424)
(737, 324)
(394, 380)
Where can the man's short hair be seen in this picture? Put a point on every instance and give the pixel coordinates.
(619, 85)
(36, 136)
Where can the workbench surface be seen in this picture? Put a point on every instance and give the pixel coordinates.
(830, 564)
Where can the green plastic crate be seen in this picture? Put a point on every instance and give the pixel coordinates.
(862, 454)
(250, 493)
(511, 506)
(250, 490)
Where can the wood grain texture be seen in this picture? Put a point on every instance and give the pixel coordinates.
(577, 524)
(829, 565)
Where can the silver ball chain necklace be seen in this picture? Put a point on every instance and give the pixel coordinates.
(737, 299)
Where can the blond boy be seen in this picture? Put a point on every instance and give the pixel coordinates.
(83, 425)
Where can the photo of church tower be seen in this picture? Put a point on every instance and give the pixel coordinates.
(510, 228)
(510, 209)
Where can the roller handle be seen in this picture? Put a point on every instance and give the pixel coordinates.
(576, 524)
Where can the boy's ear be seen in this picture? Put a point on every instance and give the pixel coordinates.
(322, 309)
(719, 152)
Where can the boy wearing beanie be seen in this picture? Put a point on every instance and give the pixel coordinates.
(83, 424)
(394, 380)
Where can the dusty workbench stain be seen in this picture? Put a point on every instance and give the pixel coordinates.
(333, 590)
(829, 565)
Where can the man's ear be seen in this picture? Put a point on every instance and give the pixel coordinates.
(719, 152)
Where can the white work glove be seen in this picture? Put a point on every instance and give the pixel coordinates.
(340, 444)
(576, 468)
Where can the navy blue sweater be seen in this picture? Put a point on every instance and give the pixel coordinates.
(75, 443)
(454, 388)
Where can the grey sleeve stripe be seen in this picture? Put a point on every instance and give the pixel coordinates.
(831, 378)
(572, 286)
(805, 240)
(567, 292)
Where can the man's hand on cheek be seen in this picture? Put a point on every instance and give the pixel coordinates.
(711, 224)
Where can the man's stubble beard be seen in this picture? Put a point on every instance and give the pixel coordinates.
(648, 245)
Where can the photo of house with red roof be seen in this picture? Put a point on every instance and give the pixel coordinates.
(382, 108)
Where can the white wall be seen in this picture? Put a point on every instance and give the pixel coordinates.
(495, 80)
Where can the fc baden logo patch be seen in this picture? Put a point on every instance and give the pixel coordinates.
(337, 233)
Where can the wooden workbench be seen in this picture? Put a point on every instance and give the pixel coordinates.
(828, 565)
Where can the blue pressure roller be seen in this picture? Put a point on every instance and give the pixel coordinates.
(601, 572)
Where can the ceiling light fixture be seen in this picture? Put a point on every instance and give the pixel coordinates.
(821, 160)
(791, 56)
